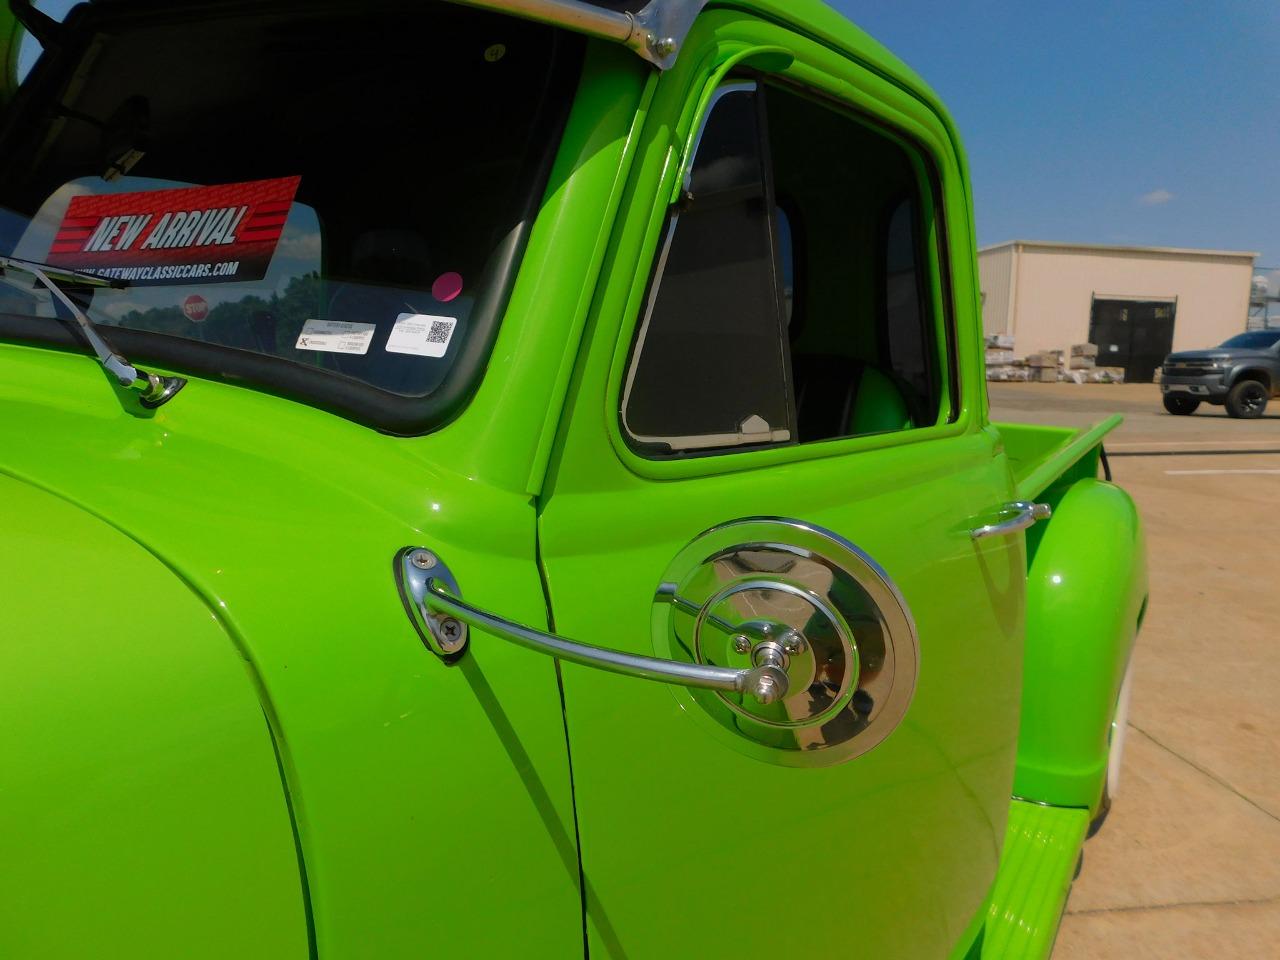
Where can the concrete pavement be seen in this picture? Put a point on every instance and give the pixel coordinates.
(1188, 864)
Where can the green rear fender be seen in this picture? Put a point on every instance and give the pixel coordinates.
(1086, 592)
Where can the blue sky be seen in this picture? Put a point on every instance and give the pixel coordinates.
(1145, 123)
(1130, 122)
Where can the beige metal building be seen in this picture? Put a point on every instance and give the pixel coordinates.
(1136, 303)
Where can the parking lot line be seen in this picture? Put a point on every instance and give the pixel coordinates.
(1211, 473)
(1172, 444)
(1206, 452)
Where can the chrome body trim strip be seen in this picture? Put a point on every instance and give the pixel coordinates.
(656, 32)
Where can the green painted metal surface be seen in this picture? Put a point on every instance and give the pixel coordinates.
(1085, 592)
(1041, 456)
(425, 797)
(244, 539)
(433, 804)
(11, 34)
(673, 818)
(1041, 850)
(142, 811)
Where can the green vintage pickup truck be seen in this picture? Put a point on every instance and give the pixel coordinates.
(528, 473)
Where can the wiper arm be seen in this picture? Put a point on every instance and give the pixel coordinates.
(155, 390)
(62, 273)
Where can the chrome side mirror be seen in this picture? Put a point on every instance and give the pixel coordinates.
(781, 632)
(845, 636)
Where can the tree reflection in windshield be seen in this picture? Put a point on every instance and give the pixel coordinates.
(266, 324)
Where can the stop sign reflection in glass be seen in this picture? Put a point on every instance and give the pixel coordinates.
(196, 308)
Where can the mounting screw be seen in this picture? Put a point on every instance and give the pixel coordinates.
(664, 47)
(766, 689)
(450, 628)
(742, 643)
(423, 559)
(793, 643)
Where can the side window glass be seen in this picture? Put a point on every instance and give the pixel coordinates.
(789, 300)
(787, 258)
(862, 335)
(907, 322)
(709, 368)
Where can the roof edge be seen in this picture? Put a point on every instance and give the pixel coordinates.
(1122, 248)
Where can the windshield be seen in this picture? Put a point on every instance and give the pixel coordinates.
(1254, 340)
(341, 194)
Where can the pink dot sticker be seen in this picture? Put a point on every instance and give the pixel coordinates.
(447, 286)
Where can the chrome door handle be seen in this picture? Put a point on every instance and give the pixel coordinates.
(429, 592)
(1022, 514)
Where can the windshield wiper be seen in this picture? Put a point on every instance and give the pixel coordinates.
(155, 390)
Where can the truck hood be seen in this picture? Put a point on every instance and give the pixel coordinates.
(1220, 354)
(272, 512)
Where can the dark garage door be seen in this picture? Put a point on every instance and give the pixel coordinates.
(1134, 334)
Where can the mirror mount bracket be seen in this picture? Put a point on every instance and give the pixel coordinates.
(415, 569)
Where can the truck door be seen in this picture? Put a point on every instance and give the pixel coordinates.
(773, 463)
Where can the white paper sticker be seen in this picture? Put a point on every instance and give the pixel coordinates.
(421, 334)
(335, 336)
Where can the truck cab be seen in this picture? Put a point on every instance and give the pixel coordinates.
(530, 473)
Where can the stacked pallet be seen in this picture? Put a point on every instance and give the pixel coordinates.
(1079, 365)
(1002, 364)
(1096, 375)
(1084, 356)
(1083, 366)
(1047, 365)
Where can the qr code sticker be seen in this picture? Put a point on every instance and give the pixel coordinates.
(440, 332)
(421, 335)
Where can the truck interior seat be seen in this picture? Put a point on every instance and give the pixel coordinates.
(842, 396)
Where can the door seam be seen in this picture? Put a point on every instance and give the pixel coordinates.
(568, 749)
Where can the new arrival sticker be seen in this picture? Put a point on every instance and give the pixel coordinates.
(185, 235)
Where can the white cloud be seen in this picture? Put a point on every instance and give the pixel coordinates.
(116, 309)
(1155, 198)
(301, 245)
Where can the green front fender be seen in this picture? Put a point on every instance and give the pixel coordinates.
(1086, 591)
(142, 806)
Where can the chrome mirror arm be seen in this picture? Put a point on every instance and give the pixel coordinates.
(430, 595)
